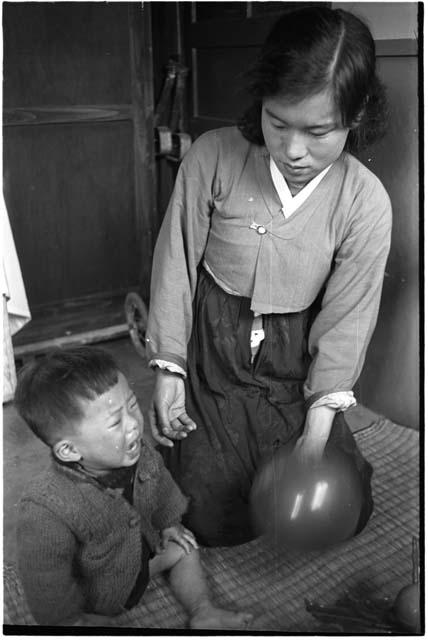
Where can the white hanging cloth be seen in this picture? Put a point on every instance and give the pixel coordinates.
(12, 284)
(15, 309)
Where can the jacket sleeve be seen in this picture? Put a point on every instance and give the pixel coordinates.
(46, 552)
(341, 332)
(179, 250)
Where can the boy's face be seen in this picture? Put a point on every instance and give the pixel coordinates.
(108, 436)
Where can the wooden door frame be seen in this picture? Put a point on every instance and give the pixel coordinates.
(141, 54)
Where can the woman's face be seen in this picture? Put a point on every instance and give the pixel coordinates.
(302, 137)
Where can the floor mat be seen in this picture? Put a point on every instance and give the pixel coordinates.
(272, 585)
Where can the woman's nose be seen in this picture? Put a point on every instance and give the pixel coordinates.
(295, 147)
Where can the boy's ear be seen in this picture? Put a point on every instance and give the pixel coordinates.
(66, 451)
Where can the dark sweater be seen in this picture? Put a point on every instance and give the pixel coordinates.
(79, 543)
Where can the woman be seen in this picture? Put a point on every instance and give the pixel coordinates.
(268, 272)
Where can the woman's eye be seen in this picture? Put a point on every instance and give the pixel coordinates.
(133, 405)
(319, 134)
(114, 424)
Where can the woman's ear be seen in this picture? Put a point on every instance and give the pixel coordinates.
(65, 451)
(357, 120)
(359, 117)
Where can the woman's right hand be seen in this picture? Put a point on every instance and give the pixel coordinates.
(167, 415)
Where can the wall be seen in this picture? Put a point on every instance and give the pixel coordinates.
(387, 20)
(389, 383)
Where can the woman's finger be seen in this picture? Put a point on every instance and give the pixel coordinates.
(182, 422)
(176, 425)
(161, 413)
(187, 422)
(155, 430)
(180, 429)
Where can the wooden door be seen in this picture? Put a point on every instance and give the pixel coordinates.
(221, 40)
(78, 150)
(217, 41)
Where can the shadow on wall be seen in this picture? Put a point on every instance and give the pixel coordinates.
(389, 383)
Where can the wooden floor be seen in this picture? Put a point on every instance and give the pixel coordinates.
(71, 323)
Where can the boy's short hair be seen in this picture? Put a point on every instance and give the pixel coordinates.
(49, 391)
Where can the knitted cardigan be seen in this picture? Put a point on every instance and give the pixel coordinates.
(79, 543)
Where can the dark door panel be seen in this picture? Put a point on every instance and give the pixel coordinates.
(78, 147)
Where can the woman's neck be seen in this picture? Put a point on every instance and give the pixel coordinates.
(295, 188)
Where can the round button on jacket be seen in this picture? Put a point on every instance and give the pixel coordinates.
(133, 521)
(261, 230)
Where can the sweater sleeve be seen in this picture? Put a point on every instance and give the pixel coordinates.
(46, 551)
(341, 332)
(179, 249)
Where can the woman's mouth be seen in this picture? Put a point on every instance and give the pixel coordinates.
(293, 168)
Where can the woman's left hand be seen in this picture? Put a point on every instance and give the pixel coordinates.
(310, 450)
(311, 444)
(180, 535)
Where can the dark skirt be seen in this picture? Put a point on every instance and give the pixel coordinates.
(243, 410)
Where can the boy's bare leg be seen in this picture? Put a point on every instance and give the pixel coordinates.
(167, 559)
(190, 588)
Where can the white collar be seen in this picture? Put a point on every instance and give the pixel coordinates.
(290, 203)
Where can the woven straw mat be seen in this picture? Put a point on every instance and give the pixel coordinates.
(273, 585)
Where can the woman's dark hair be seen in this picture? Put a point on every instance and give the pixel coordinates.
(309, 50)
(49, 391)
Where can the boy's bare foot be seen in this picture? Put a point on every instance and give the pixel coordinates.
(210, 617)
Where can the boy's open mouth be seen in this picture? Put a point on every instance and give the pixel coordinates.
(134, 446)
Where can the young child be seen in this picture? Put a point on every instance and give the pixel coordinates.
(105, 516)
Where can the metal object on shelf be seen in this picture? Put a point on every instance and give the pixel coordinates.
(136, 318)
(170, 139)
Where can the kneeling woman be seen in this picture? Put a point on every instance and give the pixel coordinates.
(268, 273)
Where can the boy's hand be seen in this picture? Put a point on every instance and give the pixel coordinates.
(167, 414)
(180, 535)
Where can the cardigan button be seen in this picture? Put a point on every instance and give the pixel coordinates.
(133, 521)
(261, 230)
